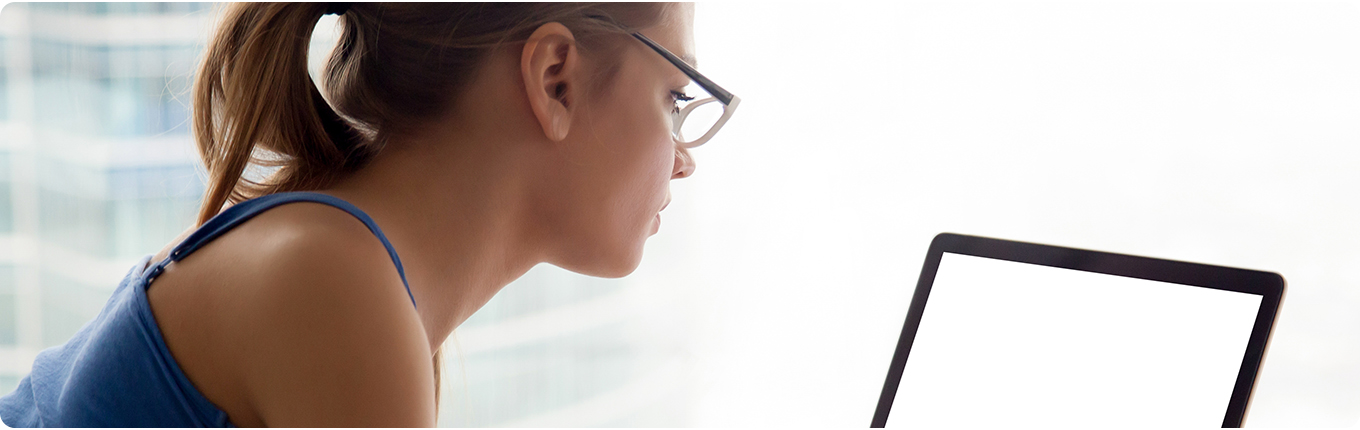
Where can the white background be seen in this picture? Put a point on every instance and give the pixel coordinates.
(1004, 344)
(1219, 132)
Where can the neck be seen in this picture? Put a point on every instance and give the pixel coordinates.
(461, 241)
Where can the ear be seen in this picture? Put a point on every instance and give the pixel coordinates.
(549, 64)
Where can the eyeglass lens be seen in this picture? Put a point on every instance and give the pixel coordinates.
(696, 117)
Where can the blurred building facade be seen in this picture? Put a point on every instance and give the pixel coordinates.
(96, 165)
(97, 169)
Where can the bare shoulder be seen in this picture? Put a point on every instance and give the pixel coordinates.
(307, 319)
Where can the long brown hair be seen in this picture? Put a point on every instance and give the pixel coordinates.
(396, 67)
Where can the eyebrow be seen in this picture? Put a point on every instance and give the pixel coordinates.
(689, 59)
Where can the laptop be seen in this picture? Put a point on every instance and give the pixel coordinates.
(1004, 334)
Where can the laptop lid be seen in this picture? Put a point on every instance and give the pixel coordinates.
(1003, 333)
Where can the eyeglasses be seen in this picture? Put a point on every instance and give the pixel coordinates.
(696, 121)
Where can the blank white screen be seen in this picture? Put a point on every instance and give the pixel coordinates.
(1003, 343)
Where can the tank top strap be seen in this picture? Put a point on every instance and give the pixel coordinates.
(243, 211)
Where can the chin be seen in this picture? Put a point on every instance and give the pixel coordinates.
(611, 263)
(603, 269)
(616, 272)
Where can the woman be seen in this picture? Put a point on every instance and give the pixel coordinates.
(483, 139)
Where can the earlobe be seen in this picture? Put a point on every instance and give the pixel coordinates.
(561, 125)
(548, 64)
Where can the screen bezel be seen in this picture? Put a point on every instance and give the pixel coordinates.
(1269, 285)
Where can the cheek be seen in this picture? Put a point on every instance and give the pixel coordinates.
(660, 149)
(633, 157)
(646, 158)
(646, 124)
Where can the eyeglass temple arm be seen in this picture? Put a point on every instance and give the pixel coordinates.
(718, 92)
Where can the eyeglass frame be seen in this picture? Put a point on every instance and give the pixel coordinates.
(728, 100)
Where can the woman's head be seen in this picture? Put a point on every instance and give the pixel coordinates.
(612, 152)
(593, 102)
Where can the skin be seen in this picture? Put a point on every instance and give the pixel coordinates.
(298, 318)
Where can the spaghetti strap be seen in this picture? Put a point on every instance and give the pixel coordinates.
(241, 212)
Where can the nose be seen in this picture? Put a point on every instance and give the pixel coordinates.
(684, 163)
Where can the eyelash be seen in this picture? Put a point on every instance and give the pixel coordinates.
(677, 97)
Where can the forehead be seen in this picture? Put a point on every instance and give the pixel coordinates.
(675, 31)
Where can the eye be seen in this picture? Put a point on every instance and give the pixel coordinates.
(676, 98)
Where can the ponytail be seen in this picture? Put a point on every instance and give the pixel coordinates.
(254, 103)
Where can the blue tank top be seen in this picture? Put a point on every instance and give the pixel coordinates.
(116, 371)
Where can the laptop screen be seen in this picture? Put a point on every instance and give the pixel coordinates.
(1002, 343)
